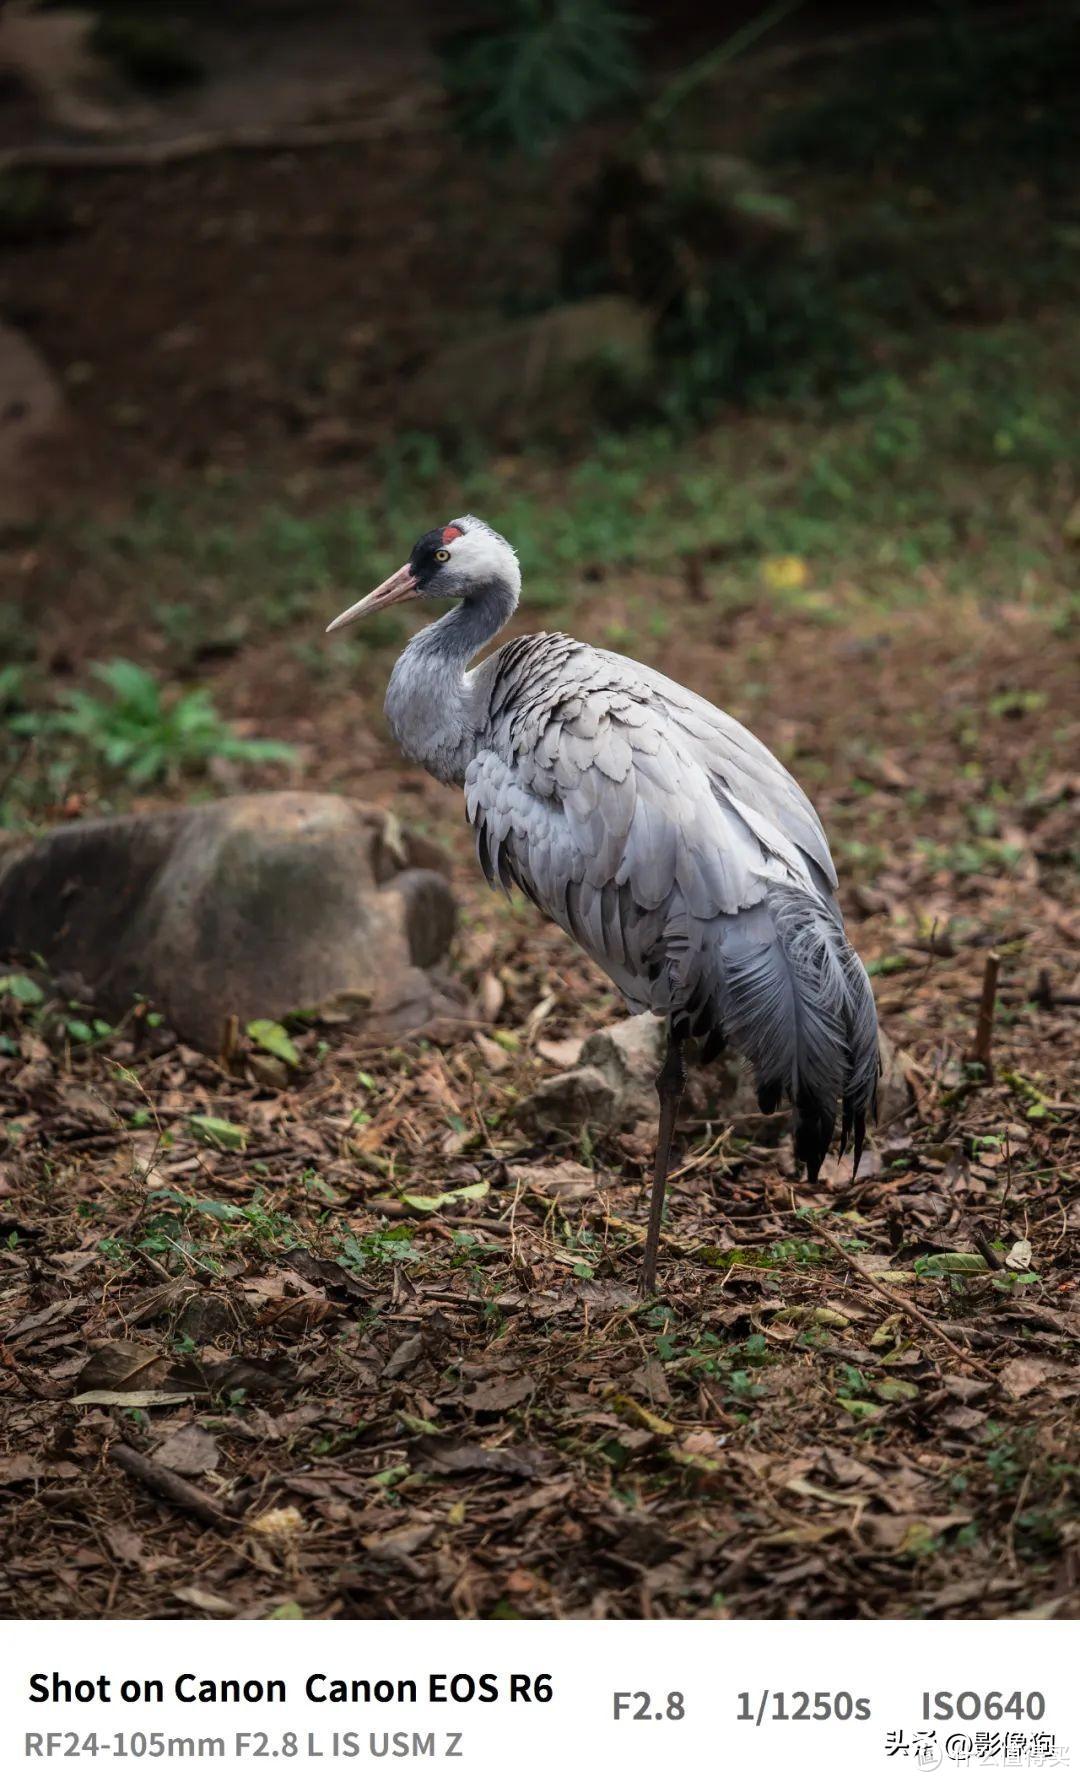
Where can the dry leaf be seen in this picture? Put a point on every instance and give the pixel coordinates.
(190, 1450)
(279, 1527)
(1022, 1376)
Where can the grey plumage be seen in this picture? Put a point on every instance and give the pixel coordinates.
(653, 828)
(685, 860)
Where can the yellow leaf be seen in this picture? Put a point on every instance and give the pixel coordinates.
(785, 572)
(636, 1413)
(278, 1526)
(699, 1463)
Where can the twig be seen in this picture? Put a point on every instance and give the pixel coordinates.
(1007, 1192)
(1048, 998)
(905, 1305)
(985, 1248)
(229, 1044)
(163, 1482)
(984, 1029)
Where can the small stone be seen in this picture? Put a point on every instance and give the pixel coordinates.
(614, 1088)
(272, 1073)
(569, 1101)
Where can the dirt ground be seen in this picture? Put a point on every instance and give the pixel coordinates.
(368, 1350)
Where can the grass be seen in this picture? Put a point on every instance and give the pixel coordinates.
(947, 474)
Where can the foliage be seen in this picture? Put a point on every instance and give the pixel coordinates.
(957, 105)
(12, 686)
(30, 207)
(546, 66)
(272, 1037)
(140, 734)
(753, 301)
(150, 53)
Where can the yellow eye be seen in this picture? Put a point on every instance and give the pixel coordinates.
(442, 556)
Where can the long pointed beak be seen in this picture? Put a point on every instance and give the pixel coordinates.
(399, 586)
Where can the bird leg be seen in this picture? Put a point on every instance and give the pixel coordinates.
(669, 1087)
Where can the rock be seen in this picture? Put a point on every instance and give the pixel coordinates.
(502, 378)
(614, 1084)
(250, 906)
(50, 53)
(631, 1052)
(32, 413)
(613, 1087)
(571, 1100)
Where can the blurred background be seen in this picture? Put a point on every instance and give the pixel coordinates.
(753, 328)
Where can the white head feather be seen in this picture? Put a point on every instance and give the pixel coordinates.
(482, 555)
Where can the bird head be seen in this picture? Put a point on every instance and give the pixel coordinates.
(455, 562)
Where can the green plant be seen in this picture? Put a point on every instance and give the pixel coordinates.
(140, 733)
(150, 53)
(12, 685)
(546, 66)
(30, 207)
(960, 102)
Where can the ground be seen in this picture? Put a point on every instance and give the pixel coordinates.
(366, 1348)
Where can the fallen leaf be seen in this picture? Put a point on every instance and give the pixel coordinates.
(132, 1368)
(447, 1455)
(403, 1357)
(132, 1400)
(241, 1373)
(223, 1134)
(272, 1037)
(406, 1538)
(521, 1582)
(205, 1600)
(279, 1527)
(190, 1450)
(861, 1410)
(896, 1392)
(431, 1203)
(1022, 1376)
(640, 1414)
(500, 1393)
(564, 1182)
(564, 1054)
(16, 1469)
(320, 1272)
(952, 1262)
(492, 996)
(962, 1418)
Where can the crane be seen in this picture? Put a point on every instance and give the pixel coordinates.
(654, 829)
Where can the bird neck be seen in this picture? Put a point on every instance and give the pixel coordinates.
(428, 701)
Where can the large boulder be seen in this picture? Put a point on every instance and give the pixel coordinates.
(507, 377)
(33, 414)
(250, 906)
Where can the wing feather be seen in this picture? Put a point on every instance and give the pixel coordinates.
(632, 811)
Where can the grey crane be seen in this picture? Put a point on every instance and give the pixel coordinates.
(653, 828)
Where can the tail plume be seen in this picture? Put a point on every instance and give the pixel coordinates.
(795, 1000)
